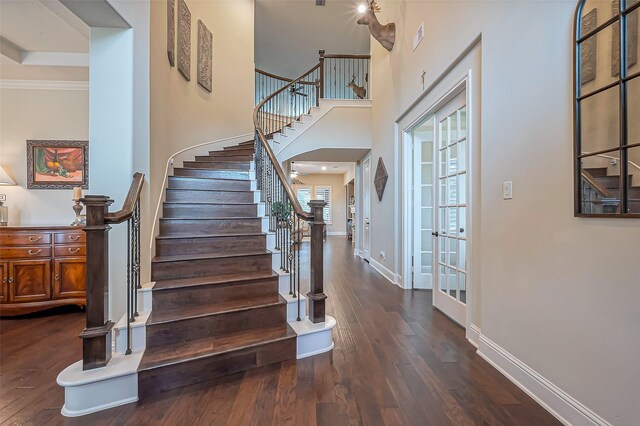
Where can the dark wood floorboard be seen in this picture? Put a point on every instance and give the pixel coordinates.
(396, 361)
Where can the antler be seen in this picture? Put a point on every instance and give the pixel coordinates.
(374, 6)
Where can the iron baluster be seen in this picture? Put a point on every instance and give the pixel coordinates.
(297, 293)
(129, 313)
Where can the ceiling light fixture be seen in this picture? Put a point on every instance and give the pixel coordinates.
(324, 167)
(294, 173)
(362, 8)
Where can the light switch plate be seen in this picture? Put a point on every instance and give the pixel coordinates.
(507, 190)
(3, 198)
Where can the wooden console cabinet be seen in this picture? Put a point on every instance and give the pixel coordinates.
(41, 268)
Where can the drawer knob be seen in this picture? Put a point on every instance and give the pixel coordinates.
(74, 237)
(4, 281)
(74, 251)
(11, 279)
(34, 238)
(33, 253)
(57, 277)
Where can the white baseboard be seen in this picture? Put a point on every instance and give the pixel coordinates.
(384, 271)
(337, 233)
(473, 334)
(556, 401)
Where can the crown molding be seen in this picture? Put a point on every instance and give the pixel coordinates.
(44, 85)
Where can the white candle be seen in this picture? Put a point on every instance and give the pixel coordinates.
(77, 193)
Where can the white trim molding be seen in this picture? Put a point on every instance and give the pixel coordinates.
(473, 334)
(385, 272)
(56, 59)
(560, 404)
(43, 85)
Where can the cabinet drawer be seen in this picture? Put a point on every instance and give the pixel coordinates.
(24, 239)
(24, 252)
(70, 237)
(77, 251)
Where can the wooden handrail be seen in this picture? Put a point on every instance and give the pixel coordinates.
(288, 80)
(129, 204)
(588, 177)
(268, 74)
(272, 157)
(342, 56)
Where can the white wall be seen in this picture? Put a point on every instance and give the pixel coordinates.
(39, 114)
(559, 293)
(111, 135)
(346, 127)
(182, 113)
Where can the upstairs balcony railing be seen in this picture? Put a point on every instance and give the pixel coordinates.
(335, 76)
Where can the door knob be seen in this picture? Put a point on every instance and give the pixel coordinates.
(435, 234)
(461, 230)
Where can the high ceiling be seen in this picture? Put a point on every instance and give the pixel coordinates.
(42, 40)
(289, 33)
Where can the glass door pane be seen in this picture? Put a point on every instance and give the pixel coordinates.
(423, 139)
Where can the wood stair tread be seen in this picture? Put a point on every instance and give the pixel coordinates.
(209, 190)
(207, 203)
(219, 160)
(226, 307)
(219, 171)
(204, 178)
(210, 346)
(211, 218)
(182, 236)
(212, 280)
(173, 258)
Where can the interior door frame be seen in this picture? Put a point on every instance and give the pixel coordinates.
(366, 193)
(463, 83)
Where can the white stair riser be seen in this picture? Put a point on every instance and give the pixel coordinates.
(144, 300)
(292, 309)
(313, 339)
(271, 241)
(283, 283)
(98, 396)
(314, 344)
(138, 338)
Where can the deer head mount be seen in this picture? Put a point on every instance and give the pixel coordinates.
(385, 34)
(359, 91)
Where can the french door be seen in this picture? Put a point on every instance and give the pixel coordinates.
(423, 139)
(450, 236)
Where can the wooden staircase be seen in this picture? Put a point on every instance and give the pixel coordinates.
(612, 184)
(216, 306)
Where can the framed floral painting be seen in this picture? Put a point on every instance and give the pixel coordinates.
(57, 164)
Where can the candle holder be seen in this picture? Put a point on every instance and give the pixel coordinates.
(80, 218)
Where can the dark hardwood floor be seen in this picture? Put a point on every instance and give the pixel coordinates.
(396, 361)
